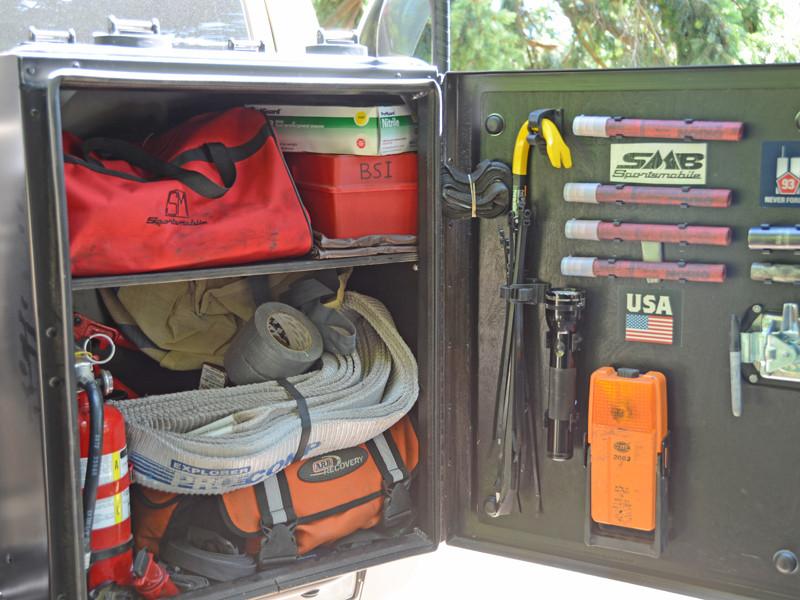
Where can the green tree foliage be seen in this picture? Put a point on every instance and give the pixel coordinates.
(646, 33)
(482, 38)
(536, 34)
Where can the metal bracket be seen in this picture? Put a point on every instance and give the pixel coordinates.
(652, 252)
(133, 26)
(65, 36)
(136, 33)
(771, 345)
(650, 544)
(531, 292)
(247, 45)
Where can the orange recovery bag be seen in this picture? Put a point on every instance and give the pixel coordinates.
(309, 504)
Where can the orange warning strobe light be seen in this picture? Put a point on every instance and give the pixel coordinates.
(627, 431)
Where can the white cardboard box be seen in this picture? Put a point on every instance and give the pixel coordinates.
(364, 131)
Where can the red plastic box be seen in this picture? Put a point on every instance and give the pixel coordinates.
(353, 196)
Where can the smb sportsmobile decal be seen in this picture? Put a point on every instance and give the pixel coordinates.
(661, 163)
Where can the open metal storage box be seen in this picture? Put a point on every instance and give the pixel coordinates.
(734, 484)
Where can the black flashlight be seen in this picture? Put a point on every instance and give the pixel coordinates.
(563, 310)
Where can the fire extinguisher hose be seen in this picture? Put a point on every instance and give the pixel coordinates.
(216, 441)
(95, 455)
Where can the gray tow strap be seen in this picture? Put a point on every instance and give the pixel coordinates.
(216, 441)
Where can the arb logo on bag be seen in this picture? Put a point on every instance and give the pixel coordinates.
(333, 465)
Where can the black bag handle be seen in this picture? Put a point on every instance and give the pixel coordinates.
(218, 154)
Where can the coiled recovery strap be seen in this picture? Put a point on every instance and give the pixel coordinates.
(217, 441)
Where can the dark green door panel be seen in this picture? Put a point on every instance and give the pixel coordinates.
(735, 487)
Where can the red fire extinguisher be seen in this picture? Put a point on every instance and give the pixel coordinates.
(108, 547)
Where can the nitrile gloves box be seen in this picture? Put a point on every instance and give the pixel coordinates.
(364, 131)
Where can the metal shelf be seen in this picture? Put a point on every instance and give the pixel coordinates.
(267, 268)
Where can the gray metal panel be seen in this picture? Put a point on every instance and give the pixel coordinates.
(23, 524)
(734, 487)
(42, 59)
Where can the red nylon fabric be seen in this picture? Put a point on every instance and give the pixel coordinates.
(119, 226)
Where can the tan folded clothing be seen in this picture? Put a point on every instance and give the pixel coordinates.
(184, 324)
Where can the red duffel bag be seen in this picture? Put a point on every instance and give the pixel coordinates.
(212, 191)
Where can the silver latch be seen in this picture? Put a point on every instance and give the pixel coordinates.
(772, 345)
(133, 33)
(50, 36)
(133, 26)
(337, 41)
(247, 45)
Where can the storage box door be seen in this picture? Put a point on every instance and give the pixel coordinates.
(667, 223)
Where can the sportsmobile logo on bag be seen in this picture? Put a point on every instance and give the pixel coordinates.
(659, 163)
(176, 211)
(333, 465)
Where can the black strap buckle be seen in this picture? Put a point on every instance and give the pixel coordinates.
(398, 512)
(278, 547)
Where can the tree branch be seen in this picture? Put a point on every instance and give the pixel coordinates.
(574, 16)
(588, 47)
(542, 45)
(613, 28)
(652, 27)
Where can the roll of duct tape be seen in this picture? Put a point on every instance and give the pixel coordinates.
(279, 341)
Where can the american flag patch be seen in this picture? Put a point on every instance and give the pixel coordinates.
(651, 329)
